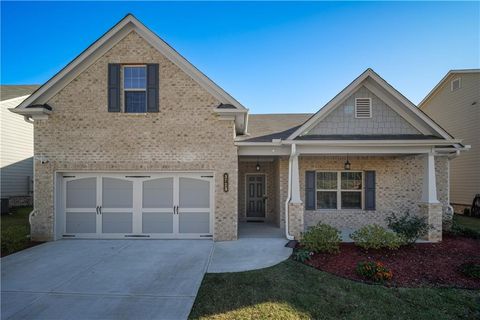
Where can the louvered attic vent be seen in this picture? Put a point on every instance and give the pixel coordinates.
(363, 108)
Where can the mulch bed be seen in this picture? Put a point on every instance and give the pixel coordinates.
(29, 244)
(423, 264)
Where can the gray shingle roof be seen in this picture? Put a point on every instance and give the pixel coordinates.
(265, 127)
(14, 91)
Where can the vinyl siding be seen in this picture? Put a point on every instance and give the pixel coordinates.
(458, 112)
(16, 151)
(384, 119)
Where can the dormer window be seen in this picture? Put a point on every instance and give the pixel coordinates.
(135, 89)
(363, 108)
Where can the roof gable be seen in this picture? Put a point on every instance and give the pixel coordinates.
(384, 91)
(106, 42)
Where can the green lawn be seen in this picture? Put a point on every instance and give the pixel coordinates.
(291, 290)
(467, 222)
(15, 229)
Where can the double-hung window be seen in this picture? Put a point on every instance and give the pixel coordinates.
(339, 190)
(135, 89)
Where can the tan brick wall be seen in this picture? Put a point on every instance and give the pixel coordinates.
(269, 170)
(184, 136)
(398, 189)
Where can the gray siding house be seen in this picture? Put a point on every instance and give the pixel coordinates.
(454, 103)
(131, 140)
(16, 146)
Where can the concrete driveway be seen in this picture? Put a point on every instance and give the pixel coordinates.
(104, 279)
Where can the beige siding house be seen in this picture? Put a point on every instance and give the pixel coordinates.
(454, 103)
(133, 141)
(16, 147)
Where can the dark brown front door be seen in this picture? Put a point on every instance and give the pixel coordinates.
(256, 196)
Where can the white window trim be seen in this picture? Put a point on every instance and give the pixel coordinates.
(459, 79)
(370, 111)
(339, 190)
(133, 89)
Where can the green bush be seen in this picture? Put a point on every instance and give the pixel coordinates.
(409, 227)
(471, 270)
(374, 271)
(302, 255)
(376, 237)
(14, 239)
(321, 238)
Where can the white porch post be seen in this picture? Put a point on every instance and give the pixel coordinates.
(429, 194)
(295, 178)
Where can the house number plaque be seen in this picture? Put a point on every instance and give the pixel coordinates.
(225, 182)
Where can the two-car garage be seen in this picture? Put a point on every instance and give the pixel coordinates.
(134, 205)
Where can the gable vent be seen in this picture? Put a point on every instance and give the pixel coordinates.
(363, 108)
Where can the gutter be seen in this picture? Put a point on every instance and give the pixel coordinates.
(289, 194)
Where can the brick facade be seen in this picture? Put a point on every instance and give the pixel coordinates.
(185, 135)
(399, 183)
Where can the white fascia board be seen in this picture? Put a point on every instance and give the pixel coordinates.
(373, 142)
(322, 150)
(263, 150)
(107, 41)
(31, 111)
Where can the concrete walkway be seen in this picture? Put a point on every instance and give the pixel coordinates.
(104, 279)
(248, 254)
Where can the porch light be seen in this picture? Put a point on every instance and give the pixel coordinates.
(347, 164)
(257, 167)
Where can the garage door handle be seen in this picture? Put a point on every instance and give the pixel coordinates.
(96, 209)
(100, 209)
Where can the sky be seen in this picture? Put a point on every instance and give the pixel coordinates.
(273, 57)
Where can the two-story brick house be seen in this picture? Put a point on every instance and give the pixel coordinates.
(131, 141)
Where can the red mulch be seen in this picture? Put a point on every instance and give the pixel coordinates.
(423, 264)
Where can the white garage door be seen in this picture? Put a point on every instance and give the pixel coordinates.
(159, 205)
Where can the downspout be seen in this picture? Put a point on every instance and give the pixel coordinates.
(27, 119)
(289, 194)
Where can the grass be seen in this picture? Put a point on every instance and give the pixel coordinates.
(15, 230)
(467, 222)
(291, 290)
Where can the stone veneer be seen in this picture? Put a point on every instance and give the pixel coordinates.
(185, 135)
(399, 184)
(267, 168)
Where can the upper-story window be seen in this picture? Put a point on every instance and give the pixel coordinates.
(455, 84)
(135, 89)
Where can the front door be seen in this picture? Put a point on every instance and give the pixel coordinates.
(256, 197)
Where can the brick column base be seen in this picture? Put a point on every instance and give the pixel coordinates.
(295, 219)
(433, 213)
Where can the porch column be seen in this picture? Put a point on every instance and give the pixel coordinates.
(429, 206)
(429, 194)
(295, 205)
(295, 180)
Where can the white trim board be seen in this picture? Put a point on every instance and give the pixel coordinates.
(363, 79)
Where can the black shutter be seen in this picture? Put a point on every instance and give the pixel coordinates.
(113, 87)
(152, 87)
(310, 190)
(369, 190)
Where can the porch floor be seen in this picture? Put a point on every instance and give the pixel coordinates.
(259, 230)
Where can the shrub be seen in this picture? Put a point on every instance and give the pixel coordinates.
(321, 238)
(14, 239)
(466, 211)
(376, 237)
(409, 227)
(302, 255)
(374, 271)
(471, 270)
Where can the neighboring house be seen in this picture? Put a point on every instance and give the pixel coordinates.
(454, 103)
(16, 147)
(131, 140)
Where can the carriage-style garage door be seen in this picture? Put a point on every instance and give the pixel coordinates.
(159, 205)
